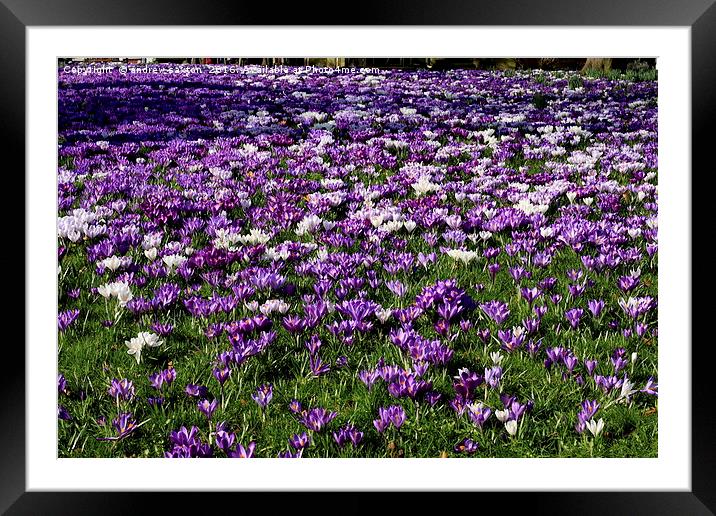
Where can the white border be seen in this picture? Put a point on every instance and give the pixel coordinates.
(671, 471)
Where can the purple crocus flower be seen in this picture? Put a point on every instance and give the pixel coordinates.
(433, 397)
(479, 413)
(155, 401)
(195, 391)
(187, 444)
(317, 418)
(492, 376)
(288, 454)
(318, 367)
(347, 434)
(393, 415)
(63, 414)
(294, 324)
(299, 441)
(573, 316)
(590, 365)
(295, 407)
(467, 446)
(156, 380)
(313, 345)
(169, 375)
(61, 384)
(595, 306)
(242, 452)
(587, 411)
(207, 407)
(530, 294)
(123, 389)
(355, 435)
(124, 424)
(66, 318)
(163, 330)
(570, 362)
(263, 395)
(368, 377)
(221, 374)
(224, 440)
(496, 310)
(651, 387)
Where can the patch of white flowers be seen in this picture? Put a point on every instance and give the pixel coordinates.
(424, 185)
(81, 223)
(255, 236)
(308, 225)
(118, 289)
(144, 338)
(531, 209)
(274, 305)
(115, 262)
(462, 255)
(172, 261)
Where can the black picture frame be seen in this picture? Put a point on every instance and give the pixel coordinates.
(699, 15)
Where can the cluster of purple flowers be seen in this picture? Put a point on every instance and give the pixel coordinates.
(66, 318)
(187, 444)
(393, 415)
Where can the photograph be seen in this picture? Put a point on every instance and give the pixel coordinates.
(344, 257)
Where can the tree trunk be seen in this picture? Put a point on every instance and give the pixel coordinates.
(599, 64)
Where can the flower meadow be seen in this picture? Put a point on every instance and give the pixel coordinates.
(413, 263)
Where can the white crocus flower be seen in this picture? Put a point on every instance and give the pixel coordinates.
(105, 290)
(511, 427)
(595, 427)
(627, 390)
(391, 226)
(634, 232)
(453, 221)
(424, 185)
(134, 347)
(124, 295)
(255, 236)
(502, 415)
(571, 196)
(112, 263)
(74, 235)
(118, 289)
(172, 261)
(383, 314)
(144, 338)
(463, 256)
(409, 225)
(150, 339)
(376, 220)
(151, 254)
(496, 357)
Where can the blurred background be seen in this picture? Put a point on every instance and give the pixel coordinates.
(584, 65)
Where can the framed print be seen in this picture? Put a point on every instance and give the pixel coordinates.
(428, 251)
